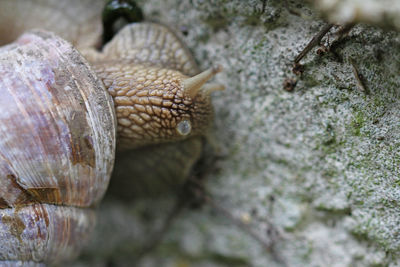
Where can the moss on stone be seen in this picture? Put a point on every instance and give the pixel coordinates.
(319, 164)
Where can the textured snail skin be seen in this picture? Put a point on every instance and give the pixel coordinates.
(150, 103)
(143, 68)
(154, 167)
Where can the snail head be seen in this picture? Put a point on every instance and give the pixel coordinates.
(157, 105)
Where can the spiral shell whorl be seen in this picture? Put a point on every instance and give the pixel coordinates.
(57, 146)
(44, 233)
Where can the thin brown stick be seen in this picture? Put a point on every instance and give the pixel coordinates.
(341, 35)
(357, 76)
(314, 42)
(344, 30)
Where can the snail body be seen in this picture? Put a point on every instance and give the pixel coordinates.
(62, 119)
(158, 66)
(146, 70)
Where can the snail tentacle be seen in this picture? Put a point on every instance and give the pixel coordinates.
(193, 84)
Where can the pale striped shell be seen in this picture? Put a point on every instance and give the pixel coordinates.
(57, 148)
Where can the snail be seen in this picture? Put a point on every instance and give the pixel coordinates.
(64, 113)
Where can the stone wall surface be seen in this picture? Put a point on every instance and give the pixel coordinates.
(314, 172)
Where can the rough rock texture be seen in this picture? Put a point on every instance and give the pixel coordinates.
(313, 172)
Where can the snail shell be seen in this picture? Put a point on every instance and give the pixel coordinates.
(57, 146)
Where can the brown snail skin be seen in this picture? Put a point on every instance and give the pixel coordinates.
(156, 107)
(155, 99)
(62, 115)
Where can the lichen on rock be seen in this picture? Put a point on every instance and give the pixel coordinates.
(315, 172)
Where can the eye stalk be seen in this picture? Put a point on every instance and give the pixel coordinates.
(192, 85)
(184, 127)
